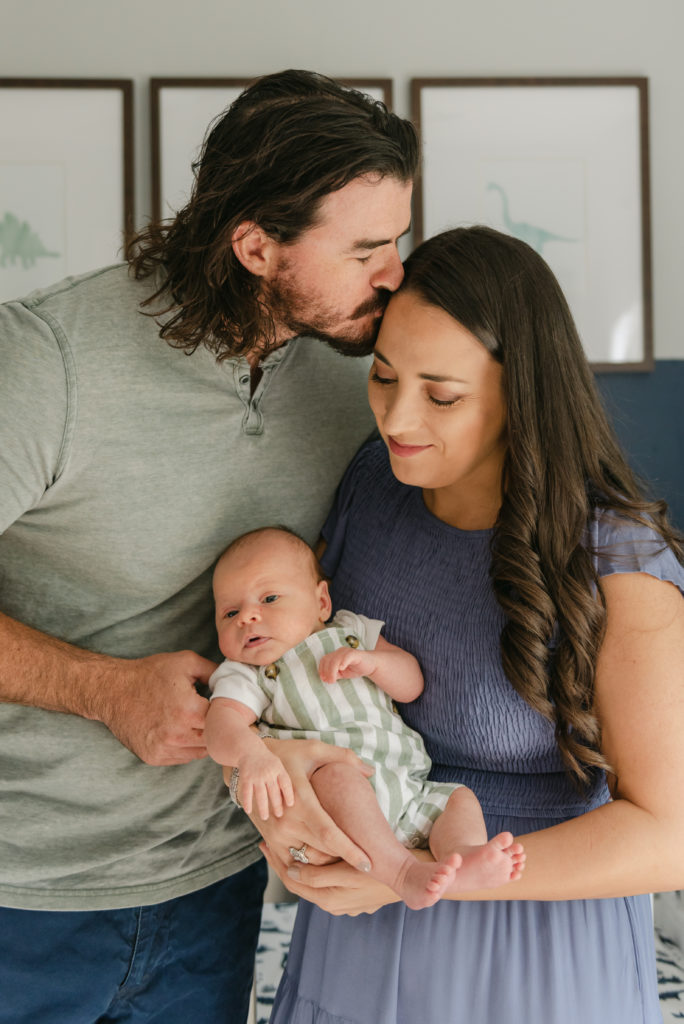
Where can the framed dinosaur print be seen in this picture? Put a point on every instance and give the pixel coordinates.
(181, 110)
(66, 178)
(563, 164)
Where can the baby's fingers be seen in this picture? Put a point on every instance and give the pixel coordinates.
(246, 794)
(261, 796)
(287, 790)
(328, 667)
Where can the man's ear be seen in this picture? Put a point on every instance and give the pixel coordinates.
(255, 249)
(325, 602)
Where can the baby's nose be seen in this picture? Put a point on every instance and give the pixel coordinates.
(250, 613)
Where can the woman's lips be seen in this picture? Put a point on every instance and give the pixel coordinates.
(405, 450)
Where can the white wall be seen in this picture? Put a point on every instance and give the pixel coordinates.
(140, 39)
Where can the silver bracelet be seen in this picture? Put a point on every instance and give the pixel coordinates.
(233, 785)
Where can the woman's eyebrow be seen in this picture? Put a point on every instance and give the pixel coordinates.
(383, 359)
(438, 378)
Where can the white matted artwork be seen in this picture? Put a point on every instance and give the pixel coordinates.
(563, 165)
(66, 189)
(181, 110)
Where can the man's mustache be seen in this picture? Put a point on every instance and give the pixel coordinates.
(376, 304)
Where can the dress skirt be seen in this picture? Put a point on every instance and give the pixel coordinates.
(570, 962)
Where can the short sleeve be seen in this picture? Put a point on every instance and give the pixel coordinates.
(33, 410)
(335, 526)
(241, 683)
(623, 546)
(367, 630)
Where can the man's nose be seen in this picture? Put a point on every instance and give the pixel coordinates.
(390, 275)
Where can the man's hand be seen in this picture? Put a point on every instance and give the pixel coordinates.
(151, 706)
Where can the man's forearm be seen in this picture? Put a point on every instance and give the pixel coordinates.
(41, 671)
(150, 704)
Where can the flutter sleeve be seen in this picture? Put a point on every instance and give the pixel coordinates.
(241, 683)
(367, 630)
(622, 546)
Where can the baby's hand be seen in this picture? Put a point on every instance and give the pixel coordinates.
(345, 663)
(264, 782)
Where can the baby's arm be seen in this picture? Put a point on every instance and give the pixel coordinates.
(231, 741)
(392, 669)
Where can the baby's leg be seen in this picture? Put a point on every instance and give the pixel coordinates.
(349, 799)
(461, 829)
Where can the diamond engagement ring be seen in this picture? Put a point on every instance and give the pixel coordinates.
(299, 854)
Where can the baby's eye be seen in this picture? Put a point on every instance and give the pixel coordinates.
(230, 614)
(270, 598)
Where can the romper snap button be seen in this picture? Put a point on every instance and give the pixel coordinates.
(351, 640)
(271, 671)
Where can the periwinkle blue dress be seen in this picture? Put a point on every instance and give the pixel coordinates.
(570, 962)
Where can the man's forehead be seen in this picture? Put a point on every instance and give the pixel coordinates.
(375, 243)
(367, 210)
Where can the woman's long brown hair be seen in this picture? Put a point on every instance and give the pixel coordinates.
(563, 463)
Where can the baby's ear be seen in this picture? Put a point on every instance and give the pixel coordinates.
(325, 603)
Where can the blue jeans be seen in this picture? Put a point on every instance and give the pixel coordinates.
(184, 961)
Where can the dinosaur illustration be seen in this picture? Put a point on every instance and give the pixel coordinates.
(19, 242)
(534, 236)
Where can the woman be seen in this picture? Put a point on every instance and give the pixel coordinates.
(500, 534)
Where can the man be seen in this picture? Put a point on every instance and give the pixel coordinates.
(148, 414)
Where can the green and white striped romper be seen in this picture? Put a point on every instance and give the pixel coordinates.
(291, 702)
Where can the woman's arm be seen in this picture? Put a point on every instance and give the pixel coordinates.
(305, 822)
(632, 844)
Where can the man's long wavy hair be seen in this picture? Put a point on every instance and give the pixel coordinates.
(286, 142)
(563, 462)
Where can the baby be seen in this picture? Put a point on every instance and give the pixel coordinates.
(301, 676)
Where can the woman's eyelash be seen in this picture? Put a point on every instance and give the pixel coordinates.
(439, 402)
(377, 379)
(443, 403)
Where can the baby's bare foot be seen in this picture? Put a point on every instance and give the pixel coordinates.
(422, 884)
(499, 861)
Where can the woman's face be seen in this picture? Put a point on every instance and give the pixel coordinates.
(437, 396)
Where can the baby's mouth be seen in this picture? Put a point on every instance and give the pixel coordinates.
(255, 641)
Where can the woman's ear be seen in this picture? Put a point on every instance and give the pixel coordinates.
(325, 602)
(254, 248)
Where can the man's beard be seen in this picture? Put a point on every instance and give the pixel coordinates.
(292, 313)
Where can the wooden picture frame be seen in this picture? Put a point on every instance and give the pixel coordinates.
(66, 178)
(564, 164)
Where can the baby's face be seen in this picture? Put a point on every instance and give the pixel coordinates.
(267, 600)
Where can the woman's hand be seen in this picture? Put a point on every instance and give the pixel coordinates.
(306, 823)
(336, 888)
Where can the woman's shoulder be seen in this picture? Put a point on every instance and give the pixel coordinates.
(368, 495)
(622, 545)
(371, 460)
(368, 476)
